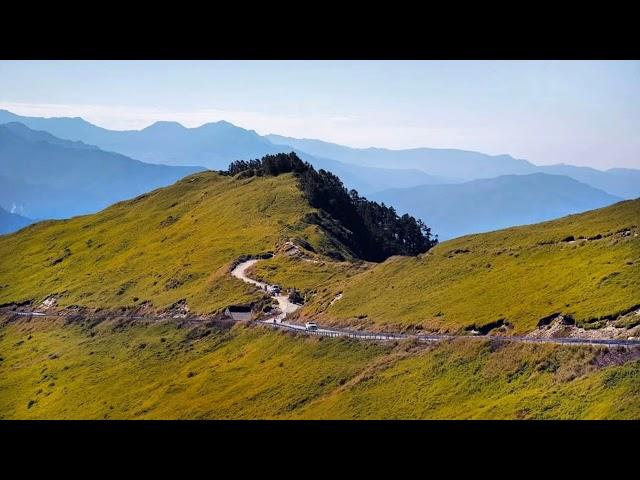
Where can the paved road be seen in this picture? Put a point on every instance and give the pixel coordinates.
(361, 335)
(287, 307)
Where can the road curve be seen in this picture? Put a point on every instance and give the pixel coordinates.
(284, 304)
(287, 307)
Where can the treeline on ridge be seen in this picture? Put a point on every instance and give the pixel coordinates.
(376, 230)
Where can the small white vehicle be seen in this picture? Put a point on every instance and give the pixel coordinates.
(310, 326)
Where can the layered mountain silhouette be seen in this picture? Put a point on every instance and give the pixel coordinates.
(447, 163)
(214, 146)
(62, 169)
(42, 176)
(462, 165)
(492, 204)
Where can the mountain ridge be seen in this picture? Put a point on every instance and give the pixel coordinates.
(620, 182)
(177, 243)
(85, 178)
(484, 205)
(442, 165)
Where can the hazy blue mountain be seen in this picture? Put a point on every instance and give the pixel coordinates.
(491, 204)
(622, 182)
(46, 177)
(41, 201)
(465, 165)
(213, 145)
(448, 163)
(11, 222)
(367, 179)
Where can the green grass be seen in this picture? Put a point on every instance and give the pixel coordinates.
(521, 274)
(131, 370)
(118, 370)
(178, 243)
(467, 380)
(171, 244)
(311, 274)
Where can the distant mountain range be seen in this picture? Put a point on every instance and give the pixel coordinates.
(491, 204)
(65, 166)
(450, 164)
(42, 176)
(10, 222)
(214, 146)
(463, 165)
(622, 182)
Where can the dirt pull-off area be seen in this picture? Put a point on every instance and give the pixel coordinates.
(625, 326)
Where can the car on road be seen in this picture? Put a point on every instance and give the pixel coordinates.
(310, 326)
(275, 289)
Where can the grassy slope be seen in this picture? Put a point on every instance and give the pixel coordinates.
(117, 370)
(312, 275)
(170, 244)
(467, 380)
(522, 274)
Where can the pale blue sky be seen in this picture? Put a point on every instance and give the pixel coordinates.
(583, 113)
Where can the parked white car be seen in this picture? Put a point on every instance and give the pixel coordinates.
(310, 326)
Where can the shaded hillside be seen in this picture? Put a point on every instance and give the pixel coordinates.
(47, 177)
(43, 201)
(586, 266)
(371, 231)
(492, 204)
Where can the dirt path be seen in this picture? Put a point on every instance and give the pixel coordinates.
(284, 304)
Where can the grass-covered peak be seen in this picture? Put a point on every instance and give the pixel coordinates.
(172, 244)
(371, 231)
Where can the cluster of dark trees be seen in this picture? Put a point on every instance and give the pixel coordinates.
(270, 165)
(373, 231)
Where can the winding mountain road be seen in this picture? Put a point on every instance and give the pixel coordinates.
(287, 307)
(284, 304)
